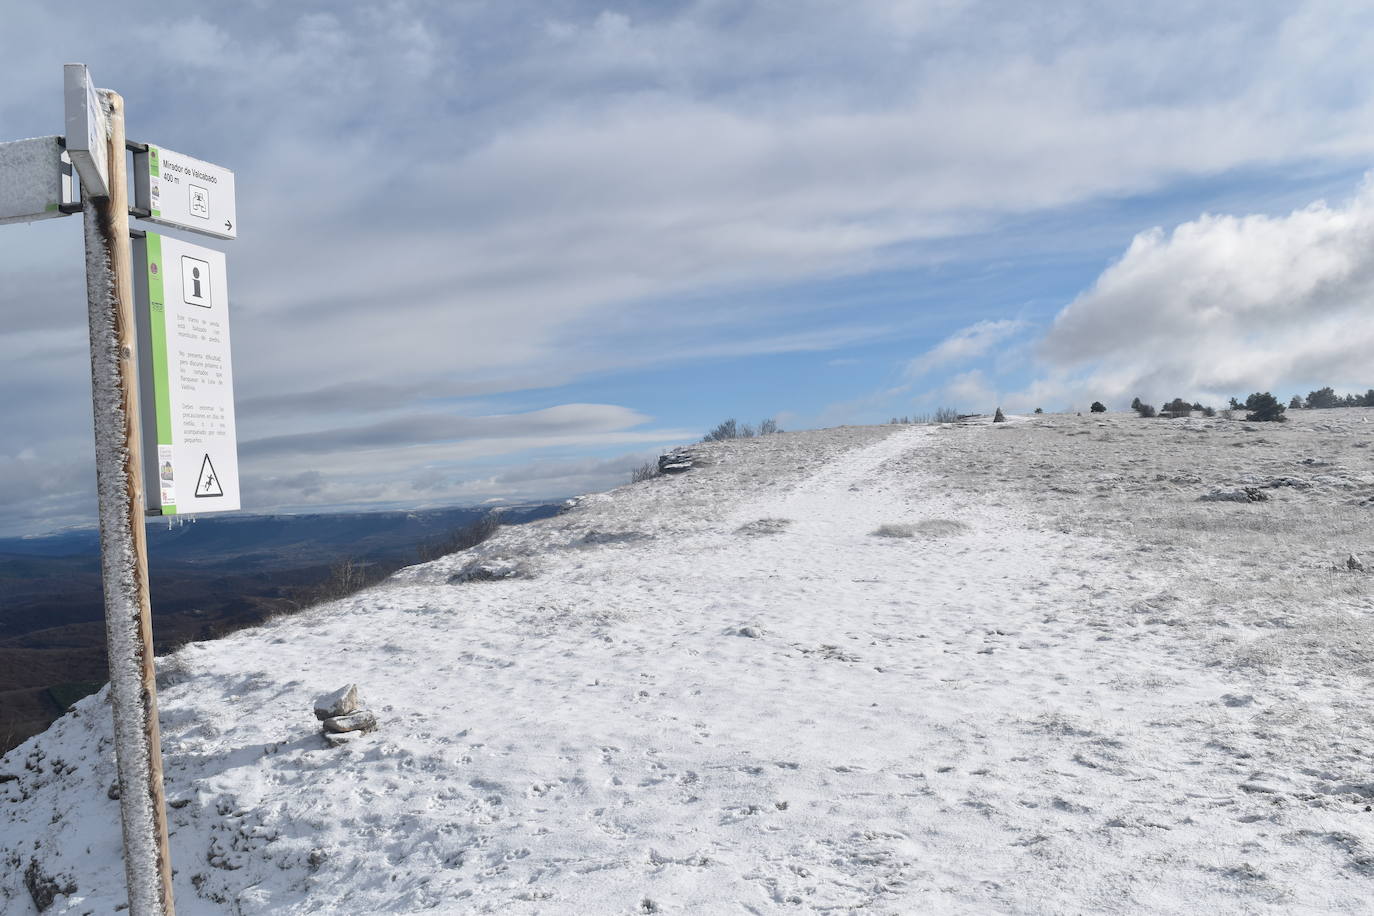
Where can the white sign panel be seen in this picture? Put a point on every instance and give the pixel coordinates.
(87, 131)
(187, 193)
(190, 448)
(35, 179)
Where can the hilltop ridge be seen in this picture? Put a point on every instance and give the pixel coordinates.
(967, 669)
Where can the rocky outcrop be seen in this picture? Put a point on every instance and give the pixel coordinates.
(1243, 495)
(677, 461)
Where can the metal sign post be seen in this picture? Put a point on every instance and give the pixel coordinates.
(182, 324)
(123, 541)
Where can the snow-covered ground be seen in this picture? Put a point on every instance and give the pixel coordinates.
(968, 669)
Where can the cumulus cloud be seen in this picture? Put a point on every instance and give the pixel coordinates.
(1228, 304)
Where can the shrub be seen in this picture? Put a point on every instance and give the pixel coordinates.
(1135, 403)
(1295, 403)
(946, 415)
(1368, 399)
(1145, 410)
(346, 577)
(1235, 405)
(1209, 411)
(1098, 407)
(1039, 410)
(733, 429)
(646, 471)
(727, 429)
(1178, 408)
(1322, 399)
(470, 535)
(1263, 407)
(895, 531)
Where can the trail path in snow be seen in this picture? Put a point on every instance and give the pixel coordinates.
(725, 693)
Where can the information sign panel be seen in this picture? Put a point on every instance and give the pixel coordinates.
(187, 193)
(35, 179)
(190, 448)
(87, 131)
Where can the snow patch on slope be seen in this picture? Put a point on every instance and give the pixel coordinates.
(719, 691)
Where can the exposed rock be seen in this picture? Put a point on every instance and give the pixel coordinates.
(676, 461)
(751, 632)
(1354, 563)
(1243, 495)
(361, 721)
(941, 528)
(1296, 483)
(763, 526)
(493, 570)
(339, 703)
(43, 888)
(595, 538)
(999, 417)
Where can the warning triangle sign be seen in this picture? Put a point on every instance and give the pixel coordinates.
(208, 484)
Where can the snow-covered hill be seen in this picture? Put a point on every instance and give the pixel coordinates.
(966, 669)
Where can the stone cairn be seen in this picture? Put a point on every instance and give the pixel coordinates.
(341, 715)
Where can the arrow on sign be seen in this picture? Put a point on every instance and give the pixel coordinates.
(228, 226)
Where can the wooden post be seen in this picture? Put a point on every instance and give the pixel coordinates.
(123, 541)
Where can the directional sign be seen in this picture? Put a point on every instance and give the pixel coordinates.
(87, 131)
(190, 449)
(187, 193)
(35, 179)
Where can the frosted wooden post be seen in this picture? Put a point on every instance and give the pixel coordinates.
(123, 541)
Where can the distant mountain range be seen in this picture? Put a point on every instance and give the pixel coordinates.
(208, 577)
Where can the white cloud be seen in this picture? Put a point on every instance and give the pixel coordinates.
(1225, 305)
(970, 391)
(438, 199)
(963, 345)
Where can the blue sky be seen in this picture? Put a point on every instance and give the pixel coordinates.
(510, 250)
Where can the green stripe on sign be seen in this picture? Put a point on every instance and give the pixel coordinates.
(153, 164)
(157, 315)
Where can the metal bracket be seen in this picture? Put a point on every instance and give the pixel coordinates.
(140, 212)
(134, 146)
